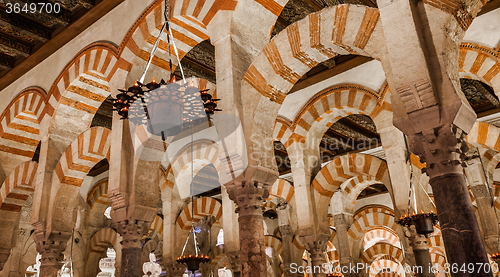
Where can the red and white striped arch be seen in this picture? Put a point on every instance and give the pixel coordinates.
(83, 85)
(310, 41)
(89, 148)
(354, 186)
(380, 249)
(18, 187)
(20, 127)
(100, 241)
(481, 63)
(188, 22)
(203, 207)
(156, 225)
(280, 189)
(328, 106)
(98, 196)
(273, 242)
(341, 169)
(386, 268)
(378, 234)
(369, 218)
(204, 150)
(218, 255)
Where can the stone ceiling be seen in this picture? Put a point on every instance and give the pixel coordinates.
(24, 36)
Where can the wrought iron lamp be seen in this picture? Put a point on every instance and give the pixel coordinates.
(424, 222)
(164, 107)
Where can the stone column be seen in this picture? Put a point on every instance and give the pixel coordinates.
(131, 232)
(421, 253)
(485, 208)
(249, 196)
(430, 108)
(441, 151)
(342, 223)
(286, 235)
(51, 249)
(316, 246)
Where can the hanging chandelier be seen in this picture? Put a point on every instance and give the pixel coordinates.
(423, 222)
(164, 107)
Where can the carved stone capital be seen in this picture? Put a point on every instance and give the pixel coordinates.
(249, 196)
(417, 242)
(131, 232)
(442, 149)
(316, 245)
(51, 246)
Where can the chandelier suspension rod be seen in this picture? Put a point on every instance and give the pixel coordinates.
(411, 179)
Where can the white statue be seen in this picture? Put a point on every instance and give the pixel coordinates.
(151, 268)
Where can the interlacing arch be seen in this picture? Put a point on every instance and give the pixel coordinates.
(100, 241)
(89, 148)
(218, 253)
(203, 207)
(18, 187)
(85, 152)
(203, 150)
(354, 186)
(20, 127)
(341, 169)
(14, 192)
(83, 84)
(328, 106)
(188, 22)
(386, 268)
(273, 242)
(307, 42)
(380, 234)
(379, 249)
(280, 189)
(481, 63)
(371, 217)
(488, 137)
(156, 225)
(98, 196)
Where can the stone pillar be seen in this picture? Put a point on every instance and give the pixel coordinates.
(430, 108)
(421, 253)
(485, 208)
(286, 235)
(441, 151)
(131, 232)
(342, 223)
(249, 196)
(316, 246)
(51, 249)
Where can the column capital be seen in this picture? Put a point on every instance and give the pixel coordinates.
(51, 246)
(249, 196)
(131, 232)
(441, 148)
(418, 242)
(315, 244)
